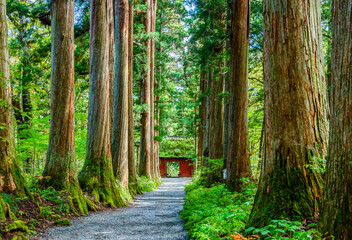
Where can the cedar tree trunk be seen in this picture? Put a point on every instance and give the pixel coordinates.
(60, 167)
(295, 112)
(11, 179)
(120, 129)
(238, 162)
(97, 176)
(336, 215)
(145, 143)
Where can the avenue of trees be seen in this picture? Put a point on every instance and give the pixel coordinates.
(91, 93)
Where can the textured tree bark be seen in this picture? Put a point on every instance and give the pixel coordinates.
(206, 137)
(11, 179)
(132, 171)
(111, 22)
(216, 131)
(145, 143)
(97, 176)
(60, 167)
(27, 107)
(120, 129)
(238, 162)
(202, 116)
(153, 158)
(295, 112)
(336, 215)
(226, 120)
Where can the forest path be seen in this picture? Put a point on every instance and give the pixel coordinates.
(152, 216)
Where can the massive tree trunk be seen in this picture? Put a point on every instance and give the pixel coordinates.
(97, 176)
(120, 129)
(132, 172)
(336, 215)
(238, 162)
(11, 179)
(295, 112)
(60, 166)
(145, 143)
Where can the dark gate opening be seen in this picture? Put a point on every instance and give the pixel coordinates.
(176, 167)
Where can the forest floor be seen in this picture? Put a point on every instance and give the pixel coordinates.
(152, 216)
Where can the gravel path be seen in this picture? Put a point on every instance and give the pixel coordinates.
(152, 216)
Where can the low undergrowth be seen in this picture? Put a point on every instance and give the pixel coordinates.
(29, 215)
(217, 213)
(47, 208)
(146, 185)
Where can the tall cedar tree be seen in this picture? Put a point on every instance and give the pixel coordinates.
(97, 175)
(132, 171)
(336, 215)
(120, 129)
(295, 112)
(154, 160)
(215, 109)
(111, 21)
(60, 166)
(202, 116)
(145, 142)
(238, 162)
(11, 179)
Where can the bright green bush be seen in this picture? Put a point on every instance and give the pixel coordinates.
(146, 184)
(283, 229)
(216, 213)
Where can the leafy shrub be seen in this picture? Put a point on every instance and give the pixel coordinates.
(146, 184)
(283, 229)
(216, 213)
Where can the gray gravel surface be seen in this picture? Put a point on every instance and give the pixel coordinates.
(152, 216)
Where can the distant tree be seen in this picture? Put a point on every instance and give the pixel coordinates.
(295, 112)
(202, 115)
(238, 162)
(11, 179)
(336, 215)
(97, 176)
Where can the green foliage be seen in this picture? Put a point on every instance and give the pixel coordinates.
(17, 226)
(63, 222)
(317, 164)
(283, 229)
(12, 201)
(173, 169)
(181, 147)
(216, 213)
(146, 185)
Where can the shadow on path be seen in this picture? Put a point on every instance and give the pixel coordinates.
(152, 216)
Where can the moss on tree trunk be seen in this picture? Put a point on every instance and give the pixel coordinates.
(97, 177)
(60, 166)
(11, 178)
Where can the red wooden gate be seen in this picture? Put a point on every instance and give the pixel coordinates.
(186, 166)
